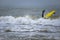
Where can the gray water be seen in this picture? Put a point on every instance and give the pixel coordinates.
(16, 12)
(18, 25)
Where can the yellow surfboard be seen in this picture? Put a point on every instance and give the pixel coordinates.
(48, 15)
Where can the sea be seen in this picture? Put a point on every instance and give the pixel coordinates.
(27, 24)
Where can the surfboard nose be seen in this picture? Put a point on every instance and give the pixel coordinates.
(52, 12)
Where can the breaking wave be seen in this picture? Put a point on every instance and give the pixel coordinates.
(26, 23)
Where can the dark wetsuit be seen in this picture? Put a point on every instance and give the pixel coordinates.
(43, 13)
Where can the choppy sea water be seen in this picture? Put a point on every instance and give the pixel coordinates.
(26, 28)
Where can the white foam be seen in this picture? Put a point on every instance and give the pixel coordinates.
(7, 19)
(26, 23)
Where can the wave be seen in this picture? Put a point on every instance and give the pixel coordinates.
(26, 23)
(27, 20)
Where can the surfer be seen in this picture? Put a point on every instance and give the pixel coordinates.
(43, 13)
(48, 15)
